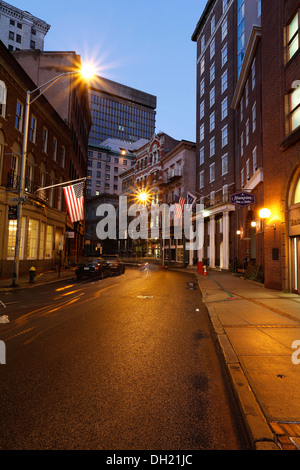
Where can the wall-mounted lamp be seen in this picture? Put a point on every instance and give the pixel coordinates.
(265, 213)
(238, 232)
(253, 224)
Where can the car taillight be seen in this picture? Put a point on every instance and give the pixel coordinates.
(96, 268)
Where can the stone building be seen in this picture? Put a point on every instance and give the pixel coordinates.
(20, 30)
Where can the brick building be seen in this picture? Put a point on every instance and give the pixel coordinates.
(44, 218)
(222, 35)
(281, 142)
(69, 97)
(249, 161)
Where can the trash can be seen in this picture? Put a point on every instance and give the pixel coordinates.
(32, 272)
(200, 267)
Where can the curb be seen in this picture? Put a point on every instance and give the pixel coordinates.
(257, 427)
(30, 286)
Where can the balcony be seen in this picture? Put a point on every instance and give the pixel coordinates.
(13, 183)
(171, 178)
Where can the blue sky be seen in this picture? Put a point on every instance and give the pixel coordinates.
(145, 45)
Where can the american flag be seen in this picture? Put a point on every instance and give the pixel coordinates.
(179, 206)
(75, 201)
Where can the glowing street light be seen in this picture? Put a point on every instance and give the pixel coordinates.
(265, 213)
(31, 96)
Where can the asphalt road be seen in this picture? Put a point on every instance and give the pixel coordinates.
(124, 363)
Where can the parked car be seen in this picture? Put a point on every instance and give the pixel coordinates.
(116, 264)
(92, 268)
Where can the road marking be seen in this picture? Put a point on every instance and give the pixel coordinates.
(64, 288)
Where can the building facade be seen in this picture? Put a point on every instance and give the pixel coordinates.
(69, 97)
(120, 112)
(44, 215)
(106, 163)
(222, 35)
(21, 30)
(281, 142)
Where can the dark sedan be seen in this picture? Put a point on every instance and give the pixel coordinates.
(92, 268)
(116, 264)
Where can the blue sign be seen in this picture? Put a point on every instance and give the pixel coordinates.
(242, 199)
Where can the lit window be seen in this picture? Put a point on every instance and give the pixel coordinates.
(49, 242)
(293, 36)
(33, 230)
(295, 109)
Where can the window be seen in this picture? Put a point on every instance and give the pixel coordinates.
(11, 242)
(63, 157)
(224, 136)
(32, 129)
(242, 109)
(247, 93)
(202, 110)
(241, 33)
(212, 72)
(202, 66)
(18, 39)
(32, 44)
(212, 97)
(253, 74)
(19, 116)
(98, 174)
(12, 22)
(224, 108)
(212, 173)
(225, 192)
(295, 109)
(254, 158)
(45, 139)
(212, 24)
(49, 242)
(242, 178)
(98, 164)
(201, 132)
(201, 155)
(212, 147)
(225, 164)
(248, 169)
(258, 8)
(293, 36)
(224, 55)
(242, 144)
(202, 43)
(247, 132)
(212, 48)
(201, 182)
(212, 122)
(254, 117)
(3, 94)
(224, 29)
(11, 35)
(202, 87)
(54, 149)
(33, 231)
(42, 240)
(225, 5)
(116, 160)
(224, 81)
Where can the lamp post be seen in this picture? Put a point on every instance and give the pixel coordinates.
(29, 100)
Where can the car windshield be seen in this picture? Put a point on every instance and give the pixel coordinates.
(90, 261)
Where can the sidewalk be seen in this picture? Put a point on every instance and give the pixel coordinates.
(40, 279)
(256, 328)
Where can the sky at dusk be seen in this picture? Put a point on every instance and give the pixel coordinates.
(141, 44)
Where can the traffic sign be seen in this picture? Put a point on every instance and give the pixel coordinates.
(242, 199)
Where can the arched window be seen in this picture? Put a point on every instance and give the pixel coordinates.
(297, 193)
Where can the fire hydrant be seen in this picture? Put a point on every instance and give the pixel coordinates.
(204, 271)
(32, 273)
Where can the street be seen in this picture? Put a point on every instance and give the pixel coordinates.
(128, 362)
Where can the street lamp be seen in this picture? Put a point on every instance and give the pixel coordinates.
(85, 73)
